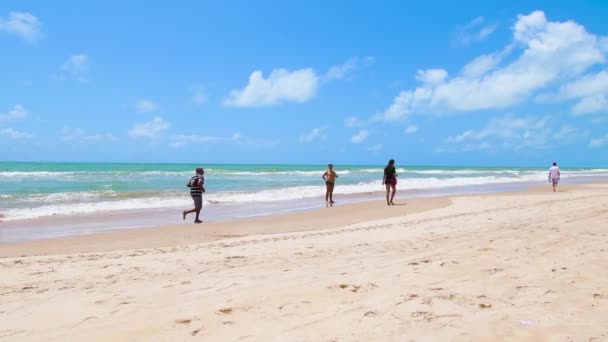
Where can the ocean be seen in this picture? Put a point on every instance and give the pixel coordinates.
(30, 191)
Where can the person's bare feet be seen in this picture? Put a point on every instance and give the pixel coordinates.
(198, 221)
(184, 215)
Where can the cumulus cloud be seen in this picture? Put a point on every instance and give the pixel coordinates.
(590, 93)
(547, 54)
(431, 76)
(316, 134)
(18, 112)
(146, 106)
(599, 142)
(359, 137)
(76, 67)
(411, 129)
(14, 134)
(280, 86)
(22, 24)
(475, 31)
(149, 129)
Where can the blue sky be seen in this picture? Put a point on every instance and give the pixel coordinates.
(424, 82)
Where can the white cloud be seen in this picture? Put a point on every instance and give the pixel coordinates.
(280, 86)
(79, 134)
(146, 106)
(549, 53)
(14, 134)
(359, 137)
(375, 148)
(22, 24)
(475, 31)
(485, 63)
(18, 112)
(590, 91)
(198, 95)
(570, 134)
(599, 142)
(149, 129)
(431, 76)
(591, 104)
(338, 72)
(507, 132)
(316, 134)
(77, 67)
(352, 121)
(411, 129)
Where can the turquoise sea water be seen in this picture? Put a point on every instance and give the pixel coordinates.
(32, 190)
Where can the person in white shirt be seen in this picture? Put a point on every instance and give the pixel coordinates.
(554, 175)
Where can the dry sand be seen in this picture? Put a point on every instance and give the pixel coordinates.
(527, 266)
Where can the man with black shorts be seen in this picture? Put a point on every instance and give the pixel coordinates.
(197, 187)
(330, 180)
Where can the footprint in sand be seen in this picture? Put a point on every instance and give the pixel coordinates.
(225, 311)
(493, 270)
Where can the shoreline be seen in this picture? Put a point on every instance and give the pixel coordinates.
(68, 225)
(158, 236)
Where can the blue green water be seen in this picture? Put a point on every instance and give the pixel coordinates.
(30, 190)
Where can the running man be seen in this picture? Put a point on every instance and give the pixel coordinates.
(330, 180)
(554, 175)
(197, 187)
(390, 180)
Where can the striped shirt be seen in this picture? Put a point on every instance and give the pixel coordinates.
(197, 182)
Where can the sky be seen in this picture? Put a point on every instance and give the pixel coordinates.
(496, 83)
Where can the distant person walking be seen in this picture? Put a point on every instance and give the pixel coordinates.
(390, 181)
(554, 175)
(330, 180)
(197, 187)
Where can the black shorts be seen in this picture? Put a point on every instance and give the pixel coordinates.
(198, 201)
(330, 186)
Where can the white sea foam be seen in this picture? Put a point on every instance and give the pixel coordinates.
(95, 207)
(86, 202)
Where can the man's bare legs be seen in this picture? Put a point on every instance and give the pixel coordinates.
(197, 211)
(329, 195)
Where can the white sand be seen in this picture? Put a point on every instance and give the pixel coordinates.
(529, 266)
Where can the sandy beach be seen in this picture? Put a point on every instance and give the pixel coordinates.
(517, 266)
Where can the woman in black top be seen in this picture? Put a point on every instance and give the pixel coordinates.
(390, 181)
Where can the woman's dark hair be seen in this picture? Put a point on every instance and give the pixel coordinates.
(200, 170)
(391, 162)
